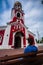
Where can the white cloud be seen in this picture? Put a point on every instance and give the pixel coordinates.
(38, 26)
(28, 6)
(33, 14)
(4, 5)
(5, 17)
(34, 18)
(11, 2)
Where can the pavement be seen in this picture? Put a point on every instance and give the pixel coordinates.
(10, 52)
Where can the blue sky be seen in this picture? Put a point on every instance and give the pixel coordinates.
(33, 10)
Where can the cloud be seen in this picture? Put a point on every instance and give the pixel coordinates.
(34, 17)
(5, 17)
(33, 10)
(34, 27)
(4, 5)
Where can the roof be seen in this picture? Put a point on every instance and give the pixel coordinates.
(3, 27)
(31, 32)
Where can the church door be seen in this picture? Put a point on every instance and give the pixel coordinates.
(17, 42)
(17, 39)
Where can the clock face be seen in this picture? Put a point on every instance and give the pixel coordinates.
(17, 6)
(18, 15)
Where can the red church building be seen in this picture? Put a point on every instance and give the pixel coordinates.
(14, 35)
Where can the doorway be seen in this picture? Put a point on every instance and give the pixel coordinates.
(17, 42)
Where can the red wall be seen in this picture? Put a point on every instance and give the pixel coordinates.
(13, 30)
(2, 34)
(31, 36)
(24, 39)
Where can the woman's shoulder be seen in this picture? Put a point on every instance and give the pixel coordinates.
(28, 49)
(34, 46)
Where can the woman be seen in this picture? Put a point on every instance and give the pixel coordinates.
(31, 47)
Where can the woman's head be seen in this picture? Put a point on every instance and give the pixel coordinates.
(30, 41)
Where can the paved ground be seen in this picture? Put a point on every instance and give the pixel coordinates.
(10, 52)
(14, 51)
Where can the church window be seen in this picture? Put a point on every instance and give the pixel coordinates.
(17, 26)
(18, 14)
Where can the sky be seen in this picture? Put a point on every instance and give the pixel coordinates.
(33, 17)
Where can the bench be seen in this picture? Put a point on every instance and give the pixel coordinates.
(23, 59)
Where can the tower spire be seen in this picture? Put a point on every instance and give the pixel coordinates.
(17, 12)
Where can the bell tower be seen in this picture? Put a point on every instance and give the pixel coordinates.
(17, 13)
(15, 31)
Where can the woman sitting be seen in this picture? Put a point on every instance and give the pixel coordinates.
(31, 47)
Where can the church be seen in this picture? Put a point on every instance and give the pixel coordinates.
(15, 34)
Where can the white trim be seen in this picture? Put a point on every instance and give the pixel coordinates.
(12, 13)
(15, 23)
(31, 33)
(20, 14)
(6, 37)
(35, 42)
(21, 42)
(14, 39)
(26, 35)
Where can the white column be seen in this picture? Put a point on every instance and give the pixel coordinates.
(12, 14)
(6, 37)
(13, 38)
(26, 34)
(35, 43)
(21, 42)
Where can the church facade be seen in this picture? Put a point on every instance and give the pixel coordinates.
(15, 34)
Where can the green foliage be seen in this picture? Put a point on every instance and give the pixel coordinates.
(39, 41)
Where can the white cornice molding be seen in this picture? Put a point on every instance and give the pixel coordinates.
(3, 27)
(31, 33)
(14, 23)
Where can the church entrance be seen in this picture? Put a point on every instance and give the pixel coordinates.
(17, 43)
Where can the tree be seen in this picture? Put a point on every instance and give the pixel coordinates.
(42, 39)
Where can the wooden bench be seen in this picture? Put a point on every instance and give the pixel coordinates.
(23, 59)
